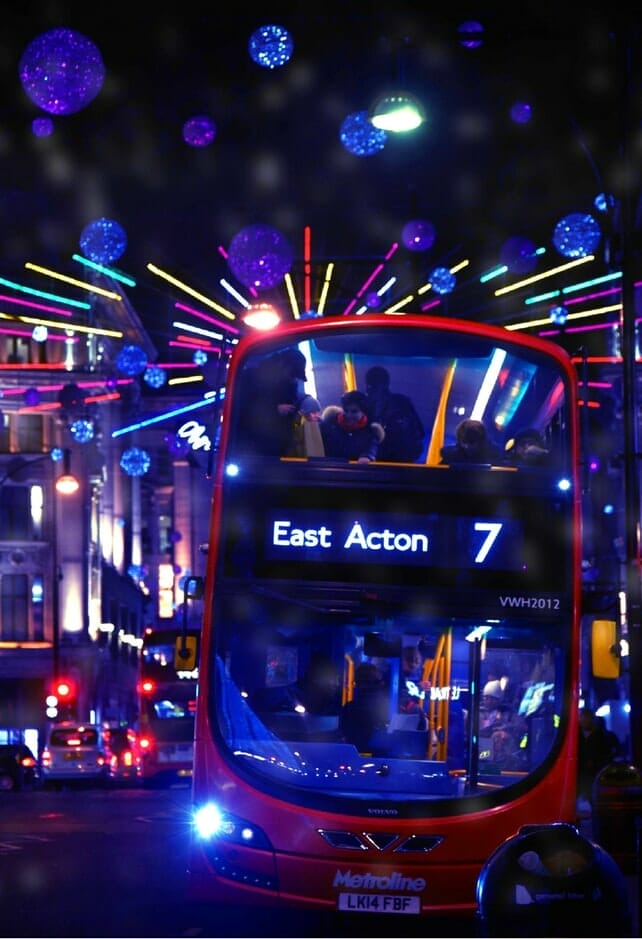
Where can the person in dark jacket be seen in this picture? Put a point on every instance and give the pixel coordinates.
(367, 712)
(271, 396)
(347, 431)
(598, 747)
(404, 440)
(472, 445)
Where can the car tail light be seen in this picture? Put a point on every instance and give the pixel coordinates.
(146, 743)
(46, 758)
(27, 761)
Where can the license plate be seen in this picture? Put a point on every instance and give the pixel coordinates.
(378, 903)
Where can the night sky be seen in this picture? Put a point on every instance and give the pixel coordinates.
(476, 174)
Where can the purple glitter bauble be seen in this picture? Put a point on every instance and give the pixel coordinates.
(61, 71)
(260, 256)
(471, 34)
(42, 127)
(199, 131)
(418, 235)
(519, 255)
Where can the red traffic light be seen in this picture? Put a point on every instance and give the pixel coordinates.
(64, 689)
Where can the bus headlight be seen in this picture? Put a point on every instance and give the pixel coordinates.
(211, 823)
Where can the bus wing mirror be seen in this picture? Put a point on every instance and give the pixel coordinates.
(605, 658)
(185, 653)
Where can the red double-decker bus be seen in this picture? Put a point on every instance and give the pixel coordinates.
(452, 584)
(167, 706)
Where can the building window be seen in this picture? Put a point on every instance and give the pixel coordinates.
(15, 607)
(30, 433)
(15, 513)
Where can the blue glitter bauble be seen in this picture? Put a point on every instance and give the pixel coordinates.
(577, 235)
(61, 71)
(558, 315)
(260, 256)
(82, 430)
(131, 360)
(135, 462)
(200, 357)
(103, 241)
(155, 376)
(359, 136)
(442, 280)
(271, 46)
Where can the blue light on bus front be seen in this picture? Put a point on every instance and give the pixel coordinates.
(211, 824)
(564, 485)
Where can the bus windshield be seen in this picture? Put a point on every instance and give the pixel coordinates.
(394, 622)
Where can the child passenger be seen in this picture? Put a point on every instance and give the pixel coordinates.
(347, 431)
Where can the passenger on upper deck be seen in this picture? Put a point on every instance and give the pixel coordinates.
(347, 431)
(528, 448)
(472, 446)
(271, 396)
(404, 440)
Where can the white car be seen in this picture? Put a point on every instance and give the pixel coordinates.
(74, 754)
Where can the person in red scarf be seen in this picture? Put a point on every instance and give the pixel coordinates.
(347, 431)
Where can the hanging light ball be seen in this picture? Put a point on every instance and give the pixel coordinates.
(577, 235)
(359, 136)
(199, 131)
(82, 430)
(135, 462)
(71, 396)
(61, 71)
(131, 360)
(604, 202)
(103, 241)
(521, 112)
(155, 376)
(40, 333)
(471, 34)
(200, 357)
(519, 255)
(176, 445)
(262, 316)
(260, 256)
(373, 300)
(31, 397)
(558, 315)
(57, 454)
(271, 46)
(418, 235)
(442, 280)
(42, 127)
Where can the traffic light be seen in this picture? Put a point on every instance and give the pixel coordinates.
(61, 700)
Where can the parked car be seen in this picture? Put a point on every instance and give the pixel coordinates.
(75, 754)
(18, 768)
(125, 756)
